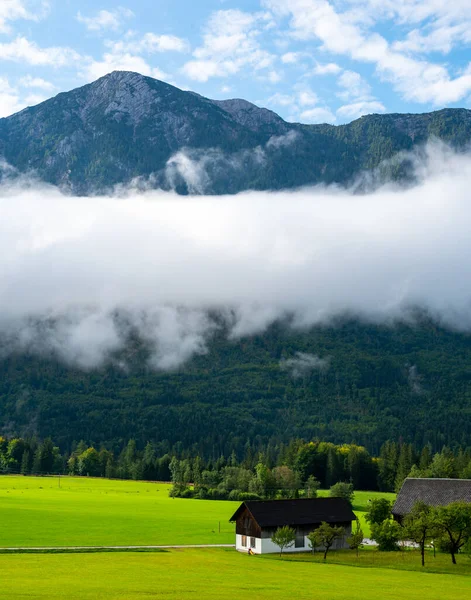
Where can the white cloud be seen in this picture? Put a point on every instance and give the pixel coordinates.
(21, 50)
(307, 98)
(162, 261)
(327, 69)
(33, 99)
(358, 109)
(281, 99)
(121, 62)
(291, 58)
(230, 46)
(149, 43)
(12, 10)
(318, 115)
(9, 99)
(347, 34)
(354, 86)
(106, 20)
(36, 82)
(303, 363)
(274, 76)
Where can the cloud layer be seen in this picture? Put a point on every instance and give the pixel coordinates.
(82, 275)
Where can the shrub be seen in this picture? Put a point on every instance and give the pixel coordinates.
(235, 495)
(387, 535)
(243, 496)
(342, 490)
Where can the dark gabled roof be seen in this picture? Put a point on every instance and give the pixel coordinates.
(434, 492)
(306, 511)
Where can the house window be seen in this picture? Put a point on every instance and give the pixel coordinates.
(299, 541)
(252, 542)
(244, 541)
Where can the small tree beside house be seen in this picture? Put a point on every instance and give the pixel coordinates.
(454, 521)
(379, 509)
(421, 526)
(356, 539)
(284, 537)
(324, 536)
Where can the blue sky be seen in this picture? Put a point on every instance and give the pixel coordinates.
(309, 60)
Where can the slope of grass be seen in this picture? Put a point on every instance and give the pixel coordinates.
(35, 511)
(213, 574)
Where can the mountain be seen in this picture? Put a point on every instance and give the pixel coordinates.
(125, 125)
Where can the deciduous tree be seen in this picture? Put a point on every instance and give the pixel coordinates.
(324, 536)
(420, 526)
(356, 538)
(455, 521)
(379, 509)
(284, 537)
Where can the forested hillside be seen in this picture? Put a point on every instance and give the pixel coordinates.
(349, 383)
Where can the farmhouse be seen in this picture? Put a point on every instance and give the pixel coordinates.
(434, 492)
(256, 522)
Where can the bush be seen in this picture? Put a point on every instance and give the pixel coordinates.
(216, 494)
(201, 494)
(187, 493)
(387, 535)
(243, 496)
(342, 490)
(235, 495)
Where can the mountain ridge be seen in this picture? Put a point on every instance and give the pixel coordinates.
(126, 125)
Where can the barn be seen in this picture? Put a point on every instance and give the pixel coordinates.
(434, 492)
(256, 522)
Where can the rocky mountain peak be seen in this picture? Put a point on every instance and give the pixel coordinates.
(248, 114)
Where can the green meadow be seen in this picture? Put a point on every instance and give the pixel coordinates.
(35, 511)
(217, 574)
(43, 511)
(72, 511)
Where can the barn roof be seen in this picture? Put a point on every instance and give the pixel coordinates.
(434, 492)
(305, 511)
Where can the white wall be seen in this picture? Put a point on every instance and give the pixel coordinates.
(256, 550)
(266, 546)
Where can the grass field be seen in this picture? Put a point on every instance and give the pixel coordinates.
(213, 574)
(38, 511)
(35, 511)
(407, 560)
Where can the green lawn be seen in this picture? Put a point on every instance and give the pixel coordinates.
(34, 511)
(217, 574)
(408, 560)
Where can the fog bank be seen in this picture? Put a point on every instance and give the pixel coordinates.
(80, 273)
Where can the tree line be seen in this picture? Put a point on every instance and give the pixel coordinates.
(286, 469)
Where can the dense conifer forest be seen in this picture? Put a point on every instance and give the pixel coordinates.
(351, 383)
